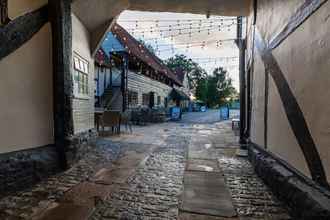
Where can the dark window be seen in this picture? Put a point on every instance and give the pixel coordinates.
(158, 100)
(132, 98)
(145, 99)
(165, 102)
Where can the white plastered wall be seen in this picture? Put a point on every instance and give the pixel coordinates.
(304, 59)
(26, 97)
(258, 101)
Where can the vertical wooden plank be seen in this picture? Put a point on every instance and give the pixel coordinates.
(241, 45)
(4, 19)
(60, 17)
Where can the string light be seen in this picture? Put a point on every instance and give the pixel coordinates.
(180, 20)
(171, 29)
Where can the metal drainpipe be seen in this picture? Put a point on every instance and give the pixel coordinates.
(241, 45)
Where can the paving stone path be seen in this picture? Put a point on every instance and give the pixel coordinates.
(25, 204)
(140, 176)
(153, 191)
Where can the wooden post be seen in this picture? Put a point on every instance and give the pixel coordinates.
(110, 58)
(241, 46)
(4, 19)
(60, 17)
(124, 81)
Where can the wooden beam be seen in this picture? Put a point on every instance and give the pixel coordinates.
(98, 36)
(242, 46)
(4, 19)
(301, 15)
(293, 112)
(60, 17)
(13, 34)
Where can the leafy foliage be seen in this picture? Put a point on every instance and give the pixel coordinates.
(219, 88)
(195, 73)
(215, 89)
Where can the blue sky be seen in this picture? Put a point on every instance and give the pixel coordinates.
(205, 43)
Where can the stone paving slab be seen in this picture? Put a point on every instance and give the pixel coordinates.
(202, 165)
(87, 194)
(206, 193)
(111, 176)
(191, 216)
(66, 211)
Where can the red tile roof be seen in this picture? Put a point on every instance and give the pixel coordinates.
(137, 49)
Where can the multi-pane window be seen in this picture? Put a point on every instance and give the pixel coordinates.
(80, 73)
(132, 98)
(145, 99)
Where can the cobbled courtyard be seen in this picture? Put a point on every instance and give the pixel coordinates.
(142, 176)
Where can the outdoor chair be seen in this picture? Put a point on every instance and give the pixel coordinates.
(126, 119)
(111, 119)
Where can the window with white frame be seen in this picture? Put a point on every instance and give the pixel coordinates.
(80, 74)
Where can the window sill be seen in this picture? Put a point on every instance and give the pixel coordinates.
(81, 97)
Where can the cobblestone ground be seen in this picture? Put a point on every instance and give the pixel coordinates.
(153, 190)
(24, 204)
(252, 199)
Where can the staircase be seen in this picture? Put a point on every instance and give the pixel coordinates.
(112, 98)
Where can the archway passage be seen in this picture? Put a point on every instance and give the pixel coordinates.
(281, 124)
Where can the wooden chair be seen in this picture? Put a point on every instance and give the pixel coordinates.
(111, 119)
(126, 119)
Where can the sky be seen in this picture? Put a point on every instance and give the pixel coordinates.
(208, 42)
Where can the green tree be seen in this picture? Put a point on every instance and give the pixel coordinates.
(201, 90)
(219, 88)
(195, 73)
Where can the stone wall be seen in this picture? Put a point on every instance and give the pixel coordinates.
(19, 170)
(80, 145)
(305, 199)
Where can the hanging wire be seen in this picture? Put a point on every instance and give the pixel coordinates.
(176, 20)
(185, 25)
(203, 28)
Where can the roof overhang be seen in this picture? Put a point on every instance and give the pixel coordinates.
(95, 13)
(208, 7)
(178, 95)
(99, 15)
